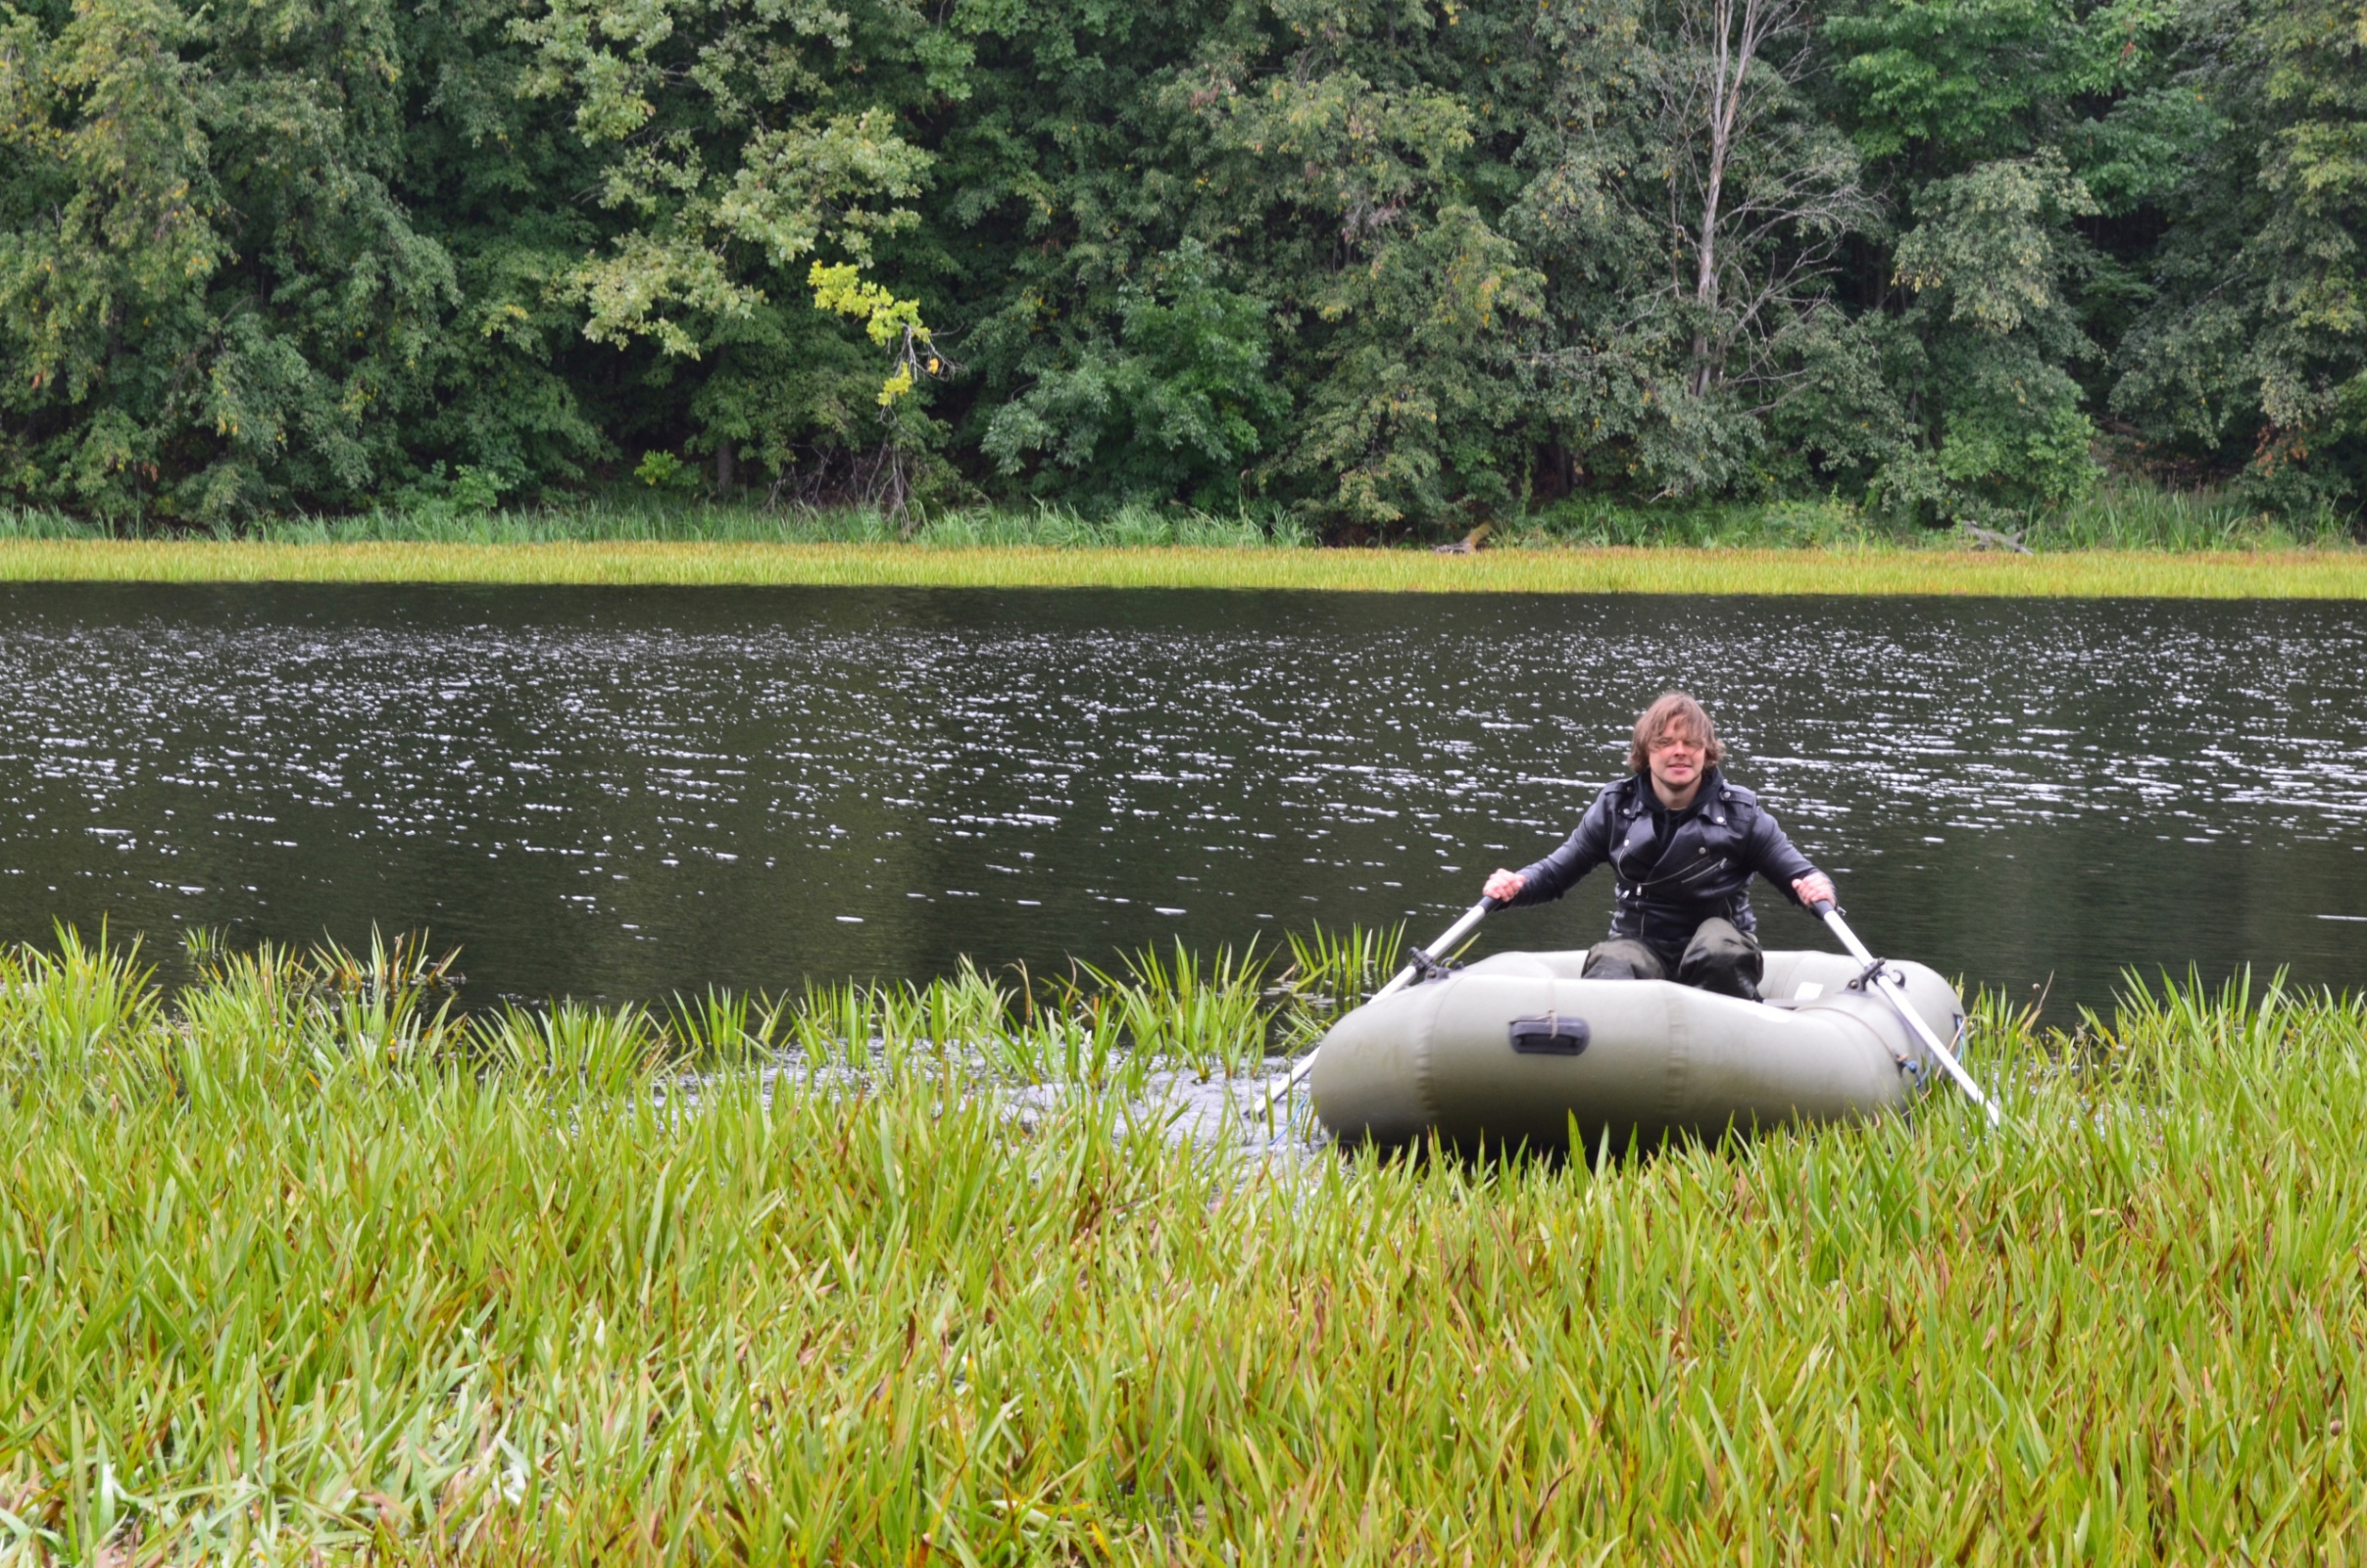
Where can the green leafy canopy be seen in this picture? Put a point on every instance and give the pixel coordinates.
(1381, 268)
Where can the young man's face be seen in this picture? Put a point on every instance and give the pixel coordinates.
(1676, 763)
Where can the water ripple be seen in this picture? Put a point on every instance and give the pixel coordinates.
(629, 792)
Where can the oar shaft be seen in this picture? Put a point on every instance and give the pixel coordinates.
(1914, 1021)
(1445, 945)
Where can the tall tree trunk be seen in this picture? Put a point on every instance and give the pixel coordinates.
(1730, 60)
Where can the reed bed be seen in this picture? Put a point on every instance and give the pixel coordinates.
(300, 1265)
(2124, 514)
(653, 518)
(2230, 574)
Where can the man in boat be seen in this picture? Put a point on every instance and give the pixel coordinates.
(1683, 844)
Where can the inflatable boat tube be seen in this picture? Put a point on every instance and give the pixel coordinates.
(1519, 1050)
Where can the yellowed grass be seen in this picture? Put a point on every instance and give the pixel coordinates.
(2261, 574)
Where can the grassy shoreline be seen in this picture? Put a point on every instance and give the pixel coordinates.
(295, 1269)
(2222, 574)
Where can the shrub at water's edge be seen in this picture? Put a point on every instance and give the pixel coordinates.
(300, 1265)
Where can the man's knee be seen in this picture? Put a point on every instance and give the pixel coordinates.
(1724, 958)
(1623, 958)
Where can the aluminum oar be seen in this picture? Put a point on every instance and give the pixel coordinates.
(1422, 957)
(1896, 995)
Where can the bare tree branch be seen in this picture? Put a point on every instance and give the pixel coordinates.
(1757, 197)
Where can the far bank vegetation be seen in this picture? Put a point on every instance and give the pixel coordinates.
(1355, 274)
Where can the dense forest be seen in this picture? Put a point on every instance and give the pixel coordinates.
(1383, 265)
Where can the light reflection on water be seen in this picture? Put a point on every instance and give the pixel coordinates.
(626, 793)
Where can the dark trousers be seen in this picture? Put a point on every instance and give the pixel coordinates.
(1719, 958)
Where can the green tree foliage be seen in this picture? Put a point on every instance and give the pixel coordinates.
(1387, 264)
(210, 299)
(1985, 350)
(2261, 334)
(1176, 401)
(1990, 127)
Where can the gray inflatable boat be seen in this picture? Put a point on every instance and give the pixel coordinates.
(1517, 1049)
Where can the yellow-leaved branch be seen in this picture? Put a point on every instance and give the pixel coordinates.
(892, 324)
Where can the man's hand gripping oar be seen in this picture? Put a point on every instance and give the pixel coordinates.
(1895, 994)
(1421, 959)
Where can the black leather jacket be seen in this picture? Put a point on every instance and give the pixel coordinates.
(1667, 890)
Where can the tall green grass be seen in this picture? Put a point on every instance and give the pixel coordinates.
(299, 1265)
(1698, 524)
(2122, 514)
(661, 520)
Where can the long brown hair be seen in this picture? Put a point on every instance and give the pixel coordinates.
(1678, 711)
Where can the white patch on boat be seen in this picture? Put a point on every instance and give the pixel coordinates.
(1808, 991)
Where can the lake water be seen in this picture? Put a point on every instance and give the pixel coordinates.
(621, 792)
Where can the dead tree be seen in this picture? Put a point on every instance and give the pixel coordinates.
(1760, 194)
